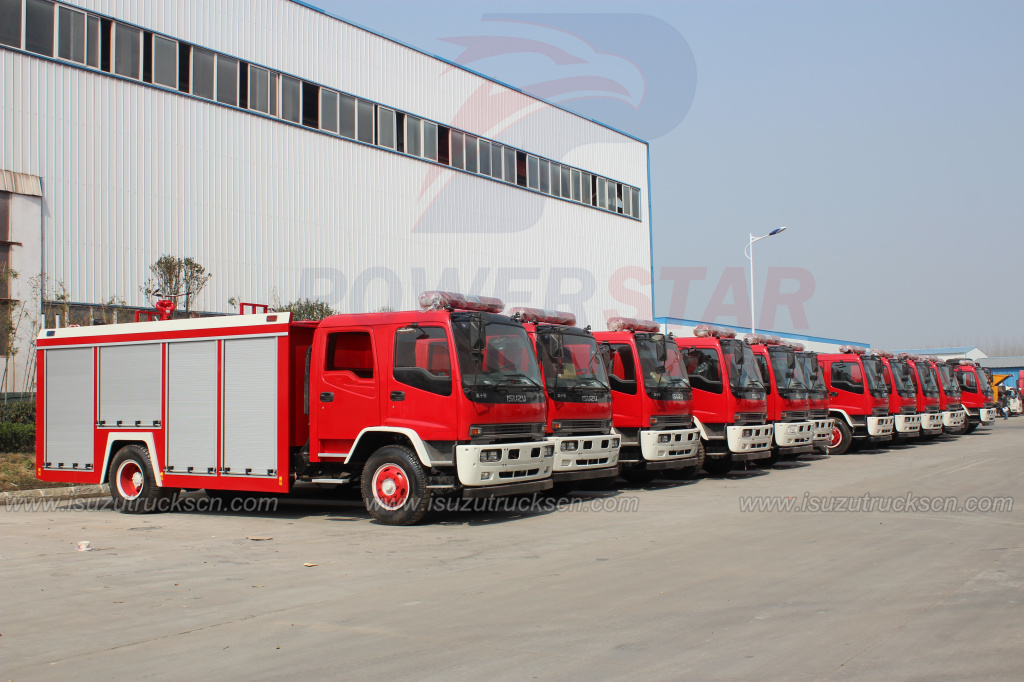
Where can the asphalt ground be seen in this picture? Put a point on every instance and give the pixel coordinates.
(669, 581)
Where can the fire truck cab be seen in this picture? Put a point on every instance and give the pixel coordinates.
(976, 395)
(858, 399)
(927, 395)
(902, 397)
(786, 394)
(817, 398)
(651, 401)
(409, 405)
(953, 416)
(579, 400)
(729, 402)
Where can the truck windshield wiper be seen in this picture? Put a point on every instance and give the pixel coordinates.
(512, 377)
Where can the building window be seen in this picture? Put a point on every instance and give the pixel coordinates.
(329, 111)
(127, 51)
(92, 44)
(483, 152)
(566, 184)
(227, 80)
(364, 121)
(165, 62)
(509, 162)
(10, 23)
(532, 172)
(259, 89)
(471, 153)
(291, 99)
(577, 185)
(386, 128)
(430, 141)
(545, 176)
(635, 193)
(71, 35)
(458, 150)
(413, 136)
(556, 179)
(39, 27)
(347, 114)
(627, 201)
(203, 62)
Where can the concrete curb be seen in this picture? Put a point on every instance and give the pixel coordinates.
(70, 493)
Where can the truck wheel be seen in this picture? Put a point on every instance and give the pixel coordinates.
(639, 476)
(688, 473)
(133, 485)
(394, 486)
(841, 438)
(769, 461)
(971, 426)
(718, 466)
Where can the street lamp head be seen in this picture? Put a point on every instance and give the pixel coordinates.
(776, 231)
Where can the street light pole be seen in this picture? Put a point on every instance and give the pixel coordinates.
(749, 253)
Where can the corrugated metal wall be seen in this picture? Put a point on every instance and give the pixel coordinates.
(131, 172)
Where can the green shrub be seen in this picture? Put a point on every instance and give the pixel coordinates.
(18, 412)
(17, 437)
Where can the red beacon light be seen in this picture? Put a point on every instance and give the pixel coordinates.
(631, 324)
(798, 347)
(538, 316)
(855, 350)
(755, 339)
(705, 330)
(447, 300)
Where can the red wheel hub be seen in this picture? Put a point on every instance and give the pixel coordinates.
(391, 487)
(837, 436)
(130, 480)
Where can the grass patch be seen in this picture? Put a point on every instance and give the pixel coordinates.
(18, 472)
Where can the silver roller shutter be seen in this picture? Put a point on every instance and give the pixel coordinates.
(250, 407)
(192, 407)
(130, 385)
(69, 409)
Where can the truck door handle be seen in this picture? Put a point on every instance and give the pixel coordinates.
(398, 395)
(327, 397)
(834, 394)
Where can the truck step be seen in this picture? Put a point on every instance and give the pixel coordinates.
(332, 481)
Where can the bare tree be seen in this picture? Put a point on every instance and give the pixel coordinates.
(177, 278)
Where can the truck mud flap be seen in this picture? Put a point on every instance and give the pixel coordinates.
(510, 489)
(584, 474)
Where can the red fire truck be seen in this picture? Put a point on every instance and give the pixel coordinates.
(858, 400)
(579, 417)
(902, 397)
(927, 395)
(817, 398)
(786, 394)
(448, 399)
(954, 419)
(651, 401)
(976, 395)
(729, 402)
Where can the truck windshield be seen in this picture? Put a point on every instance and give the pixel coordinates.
(901, 377)
(580, 366)
(949, 386)
(670, 375)
(744, 376)
(984, 381)
(928, 385)
(789, 375)
(507, 363)
(876, 381)
(811, 370)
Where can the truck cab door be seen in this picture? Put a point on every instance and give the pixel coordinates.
(345, 396)
(422, 394)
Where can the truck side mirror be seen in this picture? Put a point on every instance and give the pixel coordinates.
(477, 334)
(661, 349)
(556, 346)
(606, 356)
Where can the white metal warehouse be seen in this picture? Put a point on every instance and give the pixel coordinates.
(296, 155)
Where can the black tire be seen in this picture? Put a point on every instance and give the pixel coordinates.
(688, 473)
(133, 485)
(718, 466)
(971, 426)
(769, 461)
(394, 486)
(560, 489)
(639, 476)
(842, 438)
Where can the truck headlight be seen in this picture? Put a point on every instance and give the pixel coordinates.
(747, 433)
(664, 438)
(490, 455)
(791, 429)
(654, 421)
(570, 445)
(615, 442)
(549, 450)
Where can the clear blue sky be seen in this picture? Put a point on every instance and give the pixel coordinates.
(888, 137)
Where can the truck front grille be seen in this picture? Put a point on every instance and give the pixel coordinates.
(750, 418)
(495, 432)
(880, 412)
(794, 416)
(572, 427)
(673, 422)
(817, 414)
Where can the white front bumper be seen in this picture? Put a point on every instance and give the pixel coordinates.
(590, 452)
(793, 434)
(907, 423)
(880, 426)
(931, 421)
(953, 419)
(681, 443)
(518, 463)
(987, 415)
(823, 430)
(758, 438)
